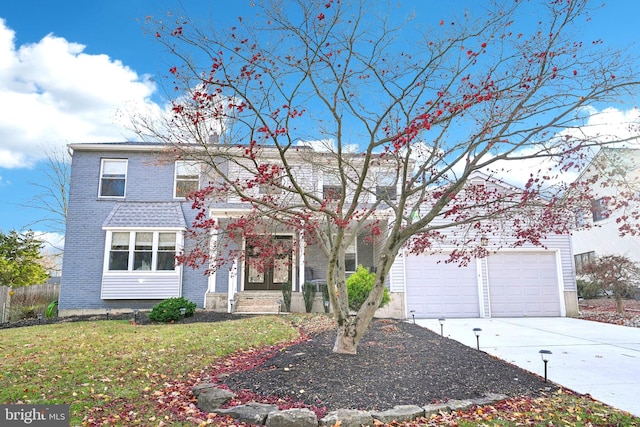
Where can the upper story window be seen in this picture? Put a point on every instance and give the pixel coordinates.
(599, 209)
(583, 259)
(579, 218)
(386, 188)
(331, 186)
(142, 251)
(187, 178)
(274, 181)
(113, 178)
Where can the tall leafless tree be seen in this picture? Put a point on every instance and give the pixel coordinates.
(488, 93)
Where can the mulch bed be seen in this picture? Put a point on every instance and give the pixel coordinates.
(398, 363)
(604, 310)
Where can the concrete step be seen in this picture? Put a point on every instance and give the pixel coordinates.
(258, 302)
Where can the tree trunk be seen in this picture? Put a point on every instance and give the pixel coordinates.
(619, 305)
(346, 342)
(352, 328)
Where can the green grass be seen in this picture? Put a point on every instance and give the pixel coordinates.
(112, 364)
(113, 373)
(563, 408)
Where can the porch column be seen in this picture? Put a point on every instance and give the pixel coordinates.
(301, 260)
(232, 285)
(213, 241)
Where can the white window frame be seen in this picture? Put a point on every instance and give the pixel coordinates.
(103, 162)
(131, 250)
(331, 186)
(599, 209)
(582, 259)
(386, 186)
(352, 248)
(189, 178)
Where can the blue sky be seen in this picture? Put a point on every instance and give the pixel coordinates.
(68, 69)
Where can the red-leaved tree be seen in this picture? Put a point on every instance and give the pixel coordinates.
(409, 131)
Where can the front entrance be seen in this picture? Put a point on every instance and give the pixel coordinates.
(268, 266)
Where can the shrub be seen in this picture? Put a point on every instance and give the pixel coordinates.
(309, 294)
(169, 310)
(588, 290)
(359, 286)
(325, 297)
(286, 296)
(52, 309)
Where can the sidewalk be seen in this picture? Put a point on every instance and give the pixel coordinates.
(600, 359)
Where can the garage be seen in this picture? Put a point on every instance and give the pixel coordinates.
(435, 289)
(523, 284)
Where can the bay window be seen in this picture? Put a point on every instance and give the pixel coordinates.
(141, 251)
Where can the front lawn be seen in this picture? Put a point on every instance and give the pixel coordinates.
(115, 373)
(111, 369)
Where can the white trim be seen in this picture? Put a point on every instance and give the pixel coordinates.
(174, 229)
(211, 280)
(126, 174)
(480, 283)
(563, 307)
(175, 176)
(131, 251)
(301, 259)
(232, 284)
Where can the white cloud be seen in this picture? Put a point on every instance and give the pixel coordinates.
(603, 126)
(53, 242)
(54, 94)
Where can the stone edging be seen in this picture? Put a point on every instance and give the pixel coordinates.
(211, 398)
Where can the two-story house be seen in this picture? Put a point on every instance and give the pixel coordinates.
(615, 177)
(128, 217)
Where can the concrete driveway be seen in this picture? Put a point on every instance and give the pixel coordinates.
(600, 359)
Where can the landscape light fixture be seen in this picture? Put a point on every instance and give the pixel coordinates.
(441, 321)
(545, 355)
(280, 302)
(231, 302)
(413, 315)
(477, 332)
(183, 311)
(39, 318)
(107, 310)
(326, 305)
(484, 241)
(135, 315)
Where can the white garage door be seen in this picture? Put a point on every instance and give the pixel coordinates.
(437, 289)
(523, 284)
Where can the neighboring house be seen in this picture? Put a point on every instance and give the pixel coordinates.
(597, 226)
(127, 219)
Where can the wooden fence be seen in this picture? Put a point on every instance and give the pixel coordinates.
(26, 296)
(4, 303)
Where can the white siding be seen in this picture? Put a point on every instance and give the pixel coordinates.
(140, 286)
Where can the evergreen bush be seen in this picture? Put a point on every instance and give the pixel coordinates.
(359, 286)
(309, 295)
(286, 296)
(169, 310)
